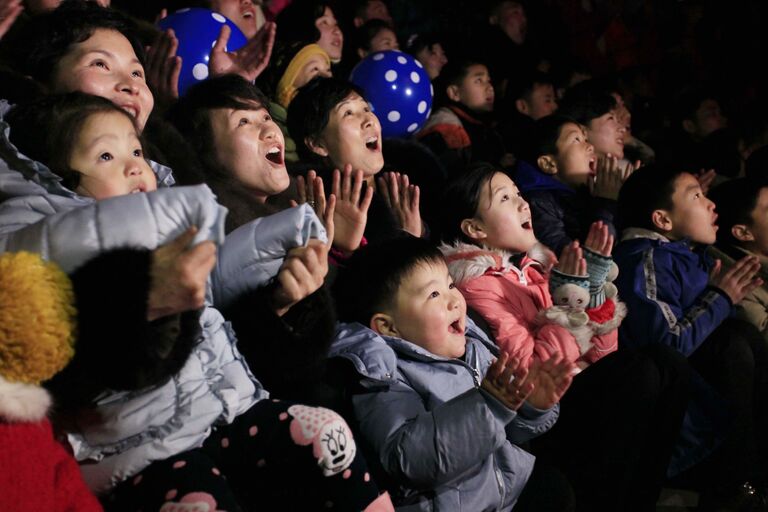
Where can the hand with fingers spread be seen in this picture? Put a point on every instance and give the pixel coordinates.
(550, 379)
(608, 178)
(9, 12)
(506, 381)
(572, 260)
(248, 61)
(302, 273)
(351, 207)
(627, 170)
(403, 199)
(599, 239)
(179, 275)
(706, 178)
(739, 280)
(312, 192)
(163, 69)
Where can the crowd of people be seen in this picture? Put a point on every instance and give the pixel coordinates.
(552, 297)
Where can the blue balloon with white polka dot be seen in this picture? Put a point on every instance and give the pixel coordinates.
(197, 30)
(398, 89)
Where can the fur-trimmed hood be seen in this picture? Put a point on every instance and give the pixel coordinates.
(22, 402)
(467, 261)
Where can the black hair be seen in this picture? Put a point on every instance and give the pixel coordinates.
(735, 201)
(47, 129)
(310, 110)
(461, 200)
(370, 279)
(586, 101)
(689, 101)
(495, 5)
(524, 86)
(648, 189)
(419, 42)
(297, 21)
(191, 115)
(367, 31)
(546, 133)
(47, 38)
(453, 73)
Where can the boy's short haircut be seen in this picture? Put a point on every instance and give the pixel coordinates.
(47, 129)
(688, 102)
(41, 44)
(419, 42)
(523, 87)
(735, 201)
(367, 31)
(369, 281)
(297, 21)
(546, 133)
(586, 101)
(310, 110)
(191, 115)
(648, 189)
(453, 73)
(461, 199)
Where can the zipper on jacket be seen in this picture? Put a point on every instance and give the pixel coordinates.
(499, 481)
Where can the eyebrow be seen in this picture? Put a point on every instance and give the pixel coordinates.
(347, 100)
(692, 187)
(430, 284)
(134, 60)
(256, 109)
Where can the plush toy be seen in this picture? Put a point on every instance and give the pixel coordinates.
(37, 328)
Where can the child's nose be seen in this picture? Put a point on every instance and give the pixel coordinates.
(133, 169)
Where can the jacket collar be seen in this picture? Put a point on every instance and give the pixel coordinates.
(633, 233)
(22, 402)
(467, 261)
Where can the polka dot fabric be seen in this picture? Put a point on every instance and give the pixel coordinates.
(398, 89)
(197, 30)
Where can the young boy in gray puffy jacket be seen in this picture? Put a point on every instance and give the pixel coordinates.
(440, 414)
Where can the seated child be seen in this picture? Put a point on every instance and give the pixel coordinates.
(428, 49)
(569, 188)
(375, 36)
(460, 131)
(179, 364)
(527, 100)
(741, 207)
(677, 296)
(571, 309)
(429, 384)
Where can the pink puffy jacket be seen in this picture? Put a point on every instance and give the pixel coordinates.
(510, 298)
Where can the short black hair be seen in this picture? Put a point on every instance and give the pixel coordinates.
(367, 31)
(648, 189)
(689, 101)
(426, 41)
(524, 86)
(735, 200)
(191, 115)
(586, 101)
(461, 199)
(370, 279)
(47, 129)
(453, 73)
(310, 110)
(47, 38)
(297, 21)
(546, 133)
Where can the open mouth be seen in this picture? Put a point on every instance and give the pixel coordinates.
(592, 166)
(526, 225)
(275, 155)
(620, 141)
(372, 143)
(456, 327)
(138, 189)
(131, 109)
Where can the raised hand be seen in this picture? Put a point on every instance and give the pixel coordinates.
(506, 381)
(705, 179)
(550, 380)
(572, 260)
(599, 239)
(608, 178)
(312, 192)
(248, 61)
(351, 207)
(301, 274)
(403, 200)
(9, 12)
(739, 280)
(179, 275)
(163, 68)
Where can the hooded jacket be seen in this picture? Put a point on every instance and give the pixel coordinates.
(447, 444)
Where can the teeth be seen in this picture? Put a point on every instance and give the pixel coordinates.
(274, 150)
(369, 140)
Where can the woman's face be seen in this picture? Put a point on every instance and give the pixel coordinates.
(352, 136)
(105, 65)
(331, 38)
(248, 17)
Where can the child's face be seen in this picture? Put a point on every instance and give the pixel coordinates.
(512, 20)
(607, 135)
(476, 90)
(433, 59)
(708, 118)
(105, 65)
(331, 39)
(248, 17)
(541, 102)
(250, 146)
(385, 39)
(504, 216)
(693, 215)
(315, 66)
(430, 312)
(108, 156)
(575, 157)
(758, 228)
(352, 136)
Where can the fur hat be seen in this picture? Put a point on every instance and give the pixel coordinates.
(37, 318)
